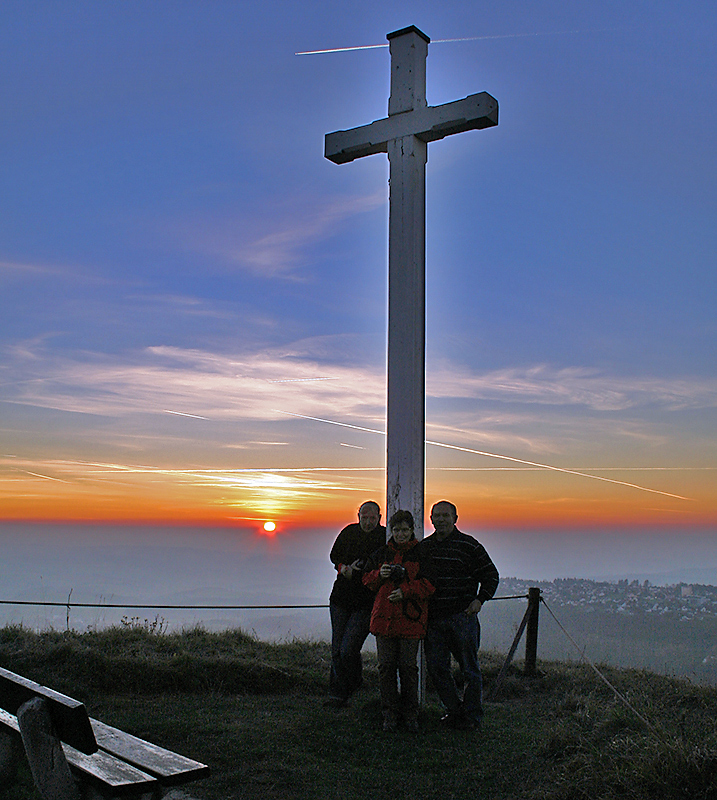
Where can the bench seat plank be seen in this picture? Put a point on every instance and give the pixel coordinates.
(9, 721)
(68, 716)
(170, 768)
(109, 774)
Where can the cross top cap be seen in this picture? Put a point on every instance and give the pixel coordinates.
(404, 31)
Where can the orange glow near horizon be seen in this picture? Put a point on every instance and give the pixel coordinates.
(64, 491)
(485, 512)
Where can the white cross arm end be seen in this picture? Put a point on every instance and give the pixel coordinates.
(429, 124)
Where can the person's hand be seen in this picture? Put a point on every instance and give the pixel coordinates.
(474, 607)
(348, 569)
(385, 571)
(396, 595)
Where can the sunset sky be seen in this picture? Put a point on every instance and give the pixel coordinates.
(193, 300)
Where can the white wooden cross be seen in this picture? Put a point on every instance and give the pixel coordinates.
(404, 135)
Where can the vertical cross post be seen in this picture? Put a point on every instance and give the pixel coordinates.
(404, 136)
(405, 416)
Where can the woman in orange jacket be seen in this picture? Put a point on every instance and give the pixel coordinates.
(398, 619)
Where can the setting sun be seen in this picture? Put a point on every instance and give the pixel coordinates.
(270, 527)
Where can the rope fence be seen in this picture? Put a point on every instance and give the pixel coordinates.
(169, 606)
(68, 605)
(149, 606)
(621, 697)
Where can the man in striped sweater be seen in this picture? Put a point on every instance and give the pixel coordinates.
(464, 577)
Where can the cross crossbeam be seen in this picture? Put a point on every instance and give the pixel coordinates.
(428, 124)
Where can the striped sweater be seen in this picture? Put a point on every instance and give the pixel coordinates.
(461, 570)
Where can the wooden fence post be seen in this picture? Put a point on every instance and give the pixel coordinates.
(529, 621)
(531, 633)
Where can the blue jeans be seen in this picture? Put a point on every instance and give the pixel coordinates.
(349, 629)
(457, 635)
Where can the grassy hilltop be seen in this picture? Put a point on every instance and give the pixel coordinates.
(253, 711)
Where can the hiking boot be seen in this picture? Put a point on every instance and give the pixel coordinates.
(463, 723)
(389, 723)
(458, 721)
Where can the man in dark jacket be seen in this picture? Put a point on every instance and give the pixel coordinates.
(350, 602)
(464, 577)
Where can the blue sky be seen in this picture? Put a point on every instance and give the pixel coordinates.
(182, 271)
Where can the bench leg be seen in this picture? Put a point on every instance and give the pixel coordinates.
(48, 765)
(9, 756)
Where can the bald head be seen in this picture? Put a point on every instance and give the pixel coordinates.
(369, 515)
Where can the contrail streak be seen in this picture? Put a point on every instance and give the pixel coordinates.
(498, 455)
(340, 50)
(302, 380)
(582, 469)
(442, 41)
(557, 469)
(183, 414)
(329, 421)
(46, 477)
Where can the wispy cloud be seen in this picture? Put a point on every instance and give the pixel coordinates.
(16, 268)
(25, 270)
(272, 489)
(180, 304)
(544, 429)
(578, 386)
(193, 383)
(504, 429)
(304, 378)
(276, 244)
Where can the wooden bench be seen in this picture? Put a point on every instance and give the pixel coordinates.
(72, 756)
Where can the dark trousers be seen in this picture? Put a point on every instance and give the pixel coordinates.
(459, 636)
(398, 656)
(349, 629)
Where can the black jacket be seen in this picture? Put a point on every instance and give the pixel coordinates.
(351, 544)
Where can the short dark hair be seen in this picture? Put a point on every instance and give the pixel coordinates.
(401, 516)
(371, 503)
(446, 503)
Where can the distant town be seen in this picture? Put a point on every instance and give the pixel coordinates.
(632, 598)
